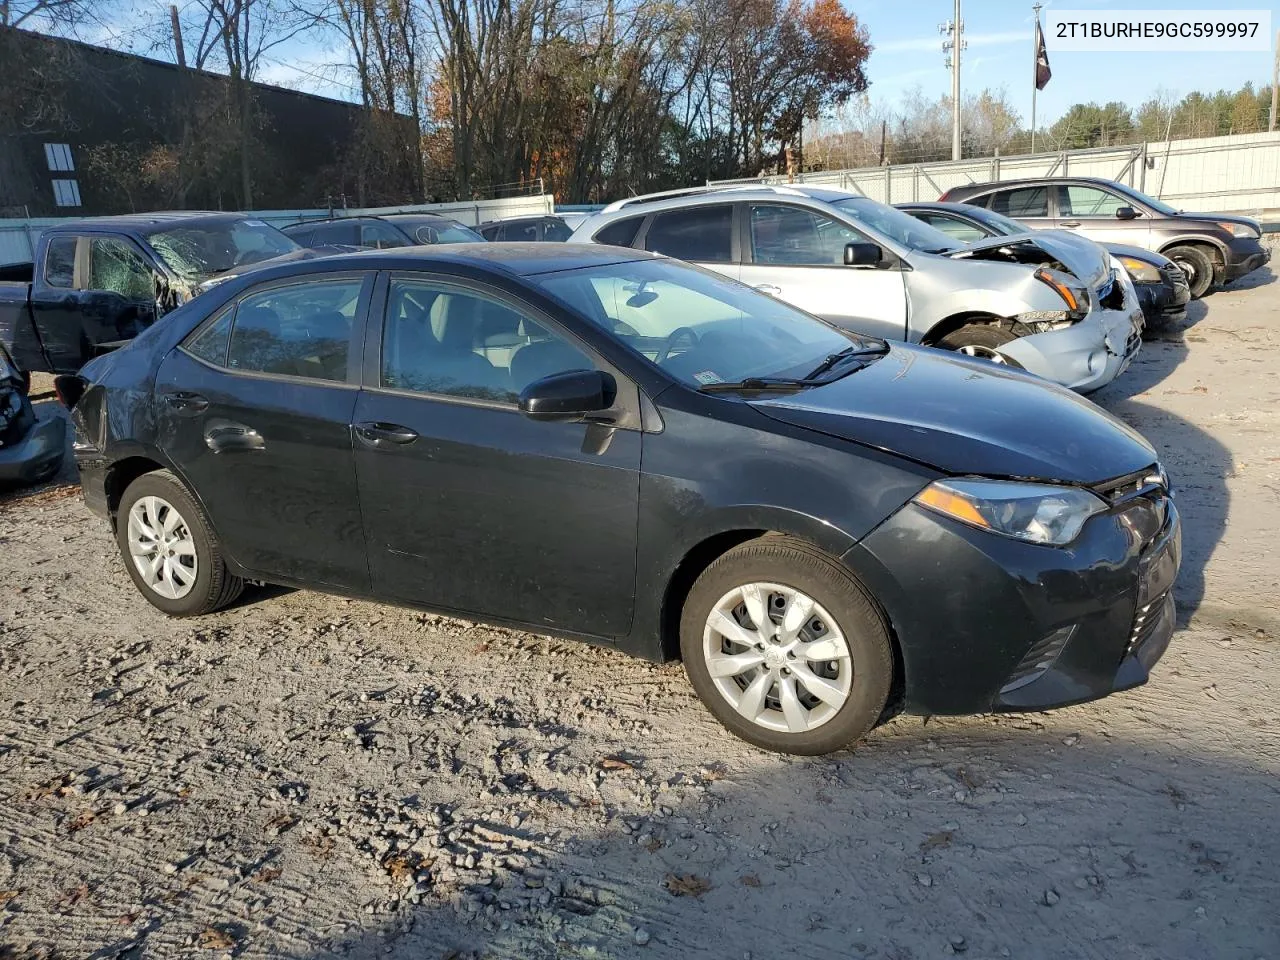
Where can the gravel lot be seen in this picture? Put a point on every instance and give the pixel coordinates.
(306, 776)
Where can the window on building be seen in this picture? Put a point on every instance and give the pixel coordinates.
(66, 193)
(59, 157)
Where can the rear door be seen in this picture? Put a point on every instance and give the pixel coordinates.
(1030, 205)
(797, 255)
(1091, 211)
(468, 504)
(704, 235)
(255, 409)
(55, 302)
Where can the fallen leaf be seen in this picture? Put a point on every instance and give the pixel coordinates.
(266, 875)
(750, 880)
(128, 918)
(654, 845)
(686, 885)
(82, 820)
(1199, 389)
(281, 822)
(7, 895)
(211, 938)
(937, 840)
(400, 866)
(615, 763)
(72, 897)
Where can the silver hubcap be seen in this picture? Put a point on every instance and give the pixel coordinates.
(1188, 270)
(163, 550)
(985, 353)
(777, 657)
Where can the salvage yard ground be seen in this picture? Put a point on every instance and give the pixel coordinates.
(304, 776)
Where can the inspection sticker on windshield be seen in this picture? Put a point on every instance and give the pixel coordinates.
(708, 376)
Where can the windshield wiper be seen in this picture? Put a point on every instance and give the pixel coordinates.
(760, 384)
(845, 354)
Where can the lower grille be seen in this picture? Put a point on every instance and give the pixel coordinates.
(1039, 658)
(1145, 623)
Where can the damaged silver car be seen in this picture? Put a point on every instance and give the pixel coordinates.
(1051, 303)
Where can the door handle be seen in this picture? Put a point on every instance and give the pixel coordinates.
(377, 432)
(1068, 223)
(225, 436)
(768, 288)
(188, 404)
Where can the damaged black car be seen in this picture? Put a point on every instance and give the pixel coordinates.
(31, 448)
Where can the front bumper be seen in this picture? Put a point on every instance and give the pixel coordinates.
(986, 623)
(1244, 256)
(1164, 302)
(1085, 356)
(37, 455)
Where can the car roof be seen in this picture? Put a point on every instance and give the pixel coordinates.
(524, 217)
(968, 189)
(952, 205)
(515, 259)
(407, 215)
(724, 194)
(145, 223)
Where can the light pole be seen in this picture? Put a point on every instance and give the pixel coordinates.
(953, 30)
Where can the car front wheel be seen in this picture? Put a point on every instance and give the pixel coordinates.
(785, 648)
(1195, 266)
(170, 549)
(981, 340)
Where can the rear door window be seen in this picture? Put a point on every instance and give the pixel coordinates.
(962, 230)
(1022, 202)
(299, 330)
(526, 232)
(556, 231)
(60, 262)
(698, 234)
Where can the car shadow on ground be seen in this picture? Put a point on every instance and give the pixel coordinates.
(991, 837)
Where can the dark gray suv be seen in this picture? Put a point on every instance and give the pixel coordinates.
(1209, 247)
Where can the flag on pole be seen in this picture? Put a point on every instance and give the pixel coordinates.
(1043, 73)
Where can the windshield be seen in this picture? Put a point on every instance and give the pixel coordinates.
(205, 250)
(1158, 205)
(898, 226)
(438, 230)
(696, 325)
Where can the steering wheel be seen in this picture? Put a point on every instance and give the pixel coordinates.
(673, 339)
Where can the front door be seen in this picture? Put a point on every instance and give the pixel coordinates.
(469, 505)
(797, 255)
(255, 408)
(1092, 211)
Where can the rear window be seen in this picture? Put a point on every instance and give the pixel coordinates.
(620, 234)
(699, 234)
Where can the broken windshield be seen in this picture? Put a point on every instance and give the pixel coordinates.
(200, 251)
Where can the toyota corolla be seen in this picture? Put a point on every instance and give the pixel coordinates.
(585, 441)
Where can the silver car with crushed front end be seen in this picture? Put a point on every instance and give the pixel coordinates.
(1050, 302)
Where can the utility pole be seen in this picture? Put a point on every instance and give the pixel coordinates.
(953, 30)
(1275, 82)
(177, 36)
(1035, 70)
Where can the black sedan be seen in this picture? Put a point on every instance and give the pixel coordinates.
(1160, 283)
(380, 232)
(605, 444)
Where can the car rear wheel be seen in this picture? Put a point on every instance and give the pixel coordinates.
(1196, 266)
(981, 340)
(170, 549)
(785, 648)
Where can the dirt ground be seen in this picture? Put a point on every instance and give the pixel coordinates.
(304, 776)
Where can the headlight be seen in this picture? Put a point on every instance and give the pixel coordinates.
(1139, 270)
(1036, 512)
(1071, 290)
(1242, 230)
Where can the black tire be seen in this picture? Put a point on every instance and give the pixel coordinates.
(982, 338)
(1196, 265)
(214, 586)
(791, 562)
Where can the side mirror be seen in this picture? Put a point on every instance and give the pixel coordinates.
(1126, 213)
(861, 254)
(570, 396)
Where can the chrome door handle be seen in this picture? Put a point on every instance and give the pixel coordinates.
(187, 403)
(768, 288)
(1068, 223)
(376, 433)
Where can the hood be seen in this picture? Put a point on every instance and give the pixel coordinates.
(1080, 255)
(1138, 253)
(1211, 218)
(968, 417)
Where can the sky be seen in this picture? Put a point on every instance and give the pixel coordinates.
(907, 54)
